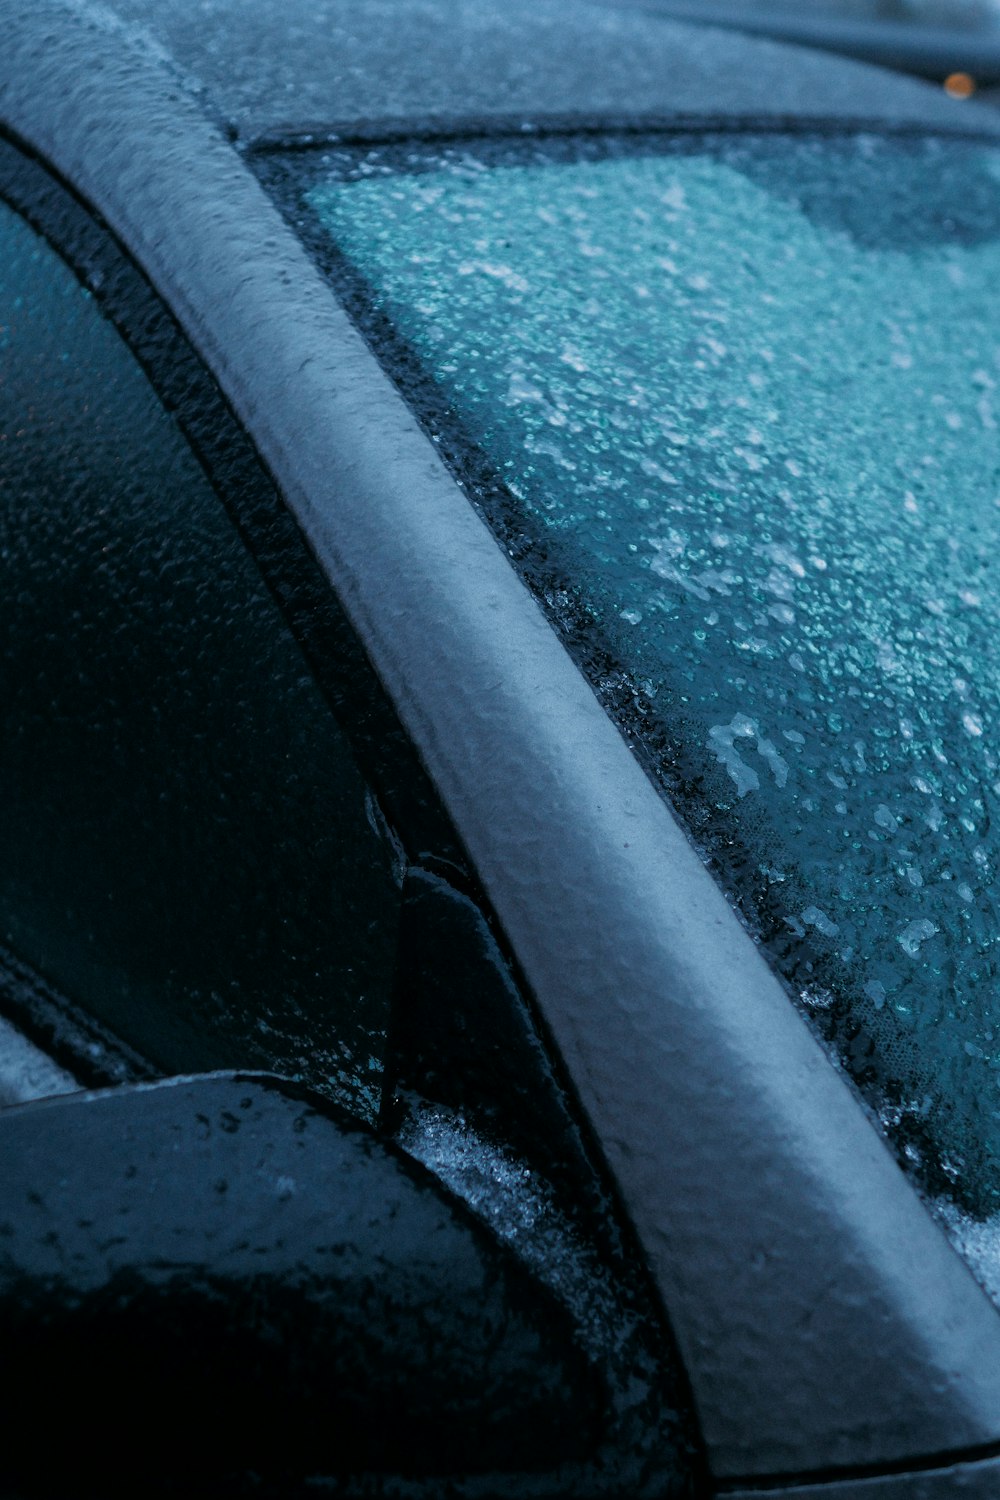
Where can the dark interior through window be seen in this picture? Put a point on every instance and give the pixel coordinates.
(190, 851)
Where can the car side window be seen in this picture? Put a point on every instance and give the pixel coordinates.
(190, 852)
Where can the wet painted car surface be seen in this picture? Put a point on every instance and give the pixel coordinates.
(628, 1045)
(945, 42)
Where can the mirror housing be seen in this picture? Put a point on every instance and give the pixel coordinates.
(218, 1277)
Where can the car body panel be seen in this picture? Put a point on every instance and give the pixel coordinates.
(824, 1320)
(317, 64)
(960, 1481)
(930, 49)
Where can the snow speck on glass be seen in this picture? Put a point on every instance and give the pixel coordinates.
(743, 396)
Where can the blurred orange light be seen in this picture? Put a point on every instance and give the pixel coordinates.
(960, 85)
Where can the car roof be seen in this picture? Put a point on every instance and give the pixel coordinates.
(787, 1247)
(314, 65)
(904, 39)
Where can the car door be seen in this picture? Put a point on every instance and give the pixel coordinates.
(223, 858)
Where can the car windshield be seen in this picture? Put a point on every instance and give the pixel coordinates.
(732, 403)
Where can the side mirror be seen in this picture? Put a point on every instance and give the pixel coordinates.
(214, 1278)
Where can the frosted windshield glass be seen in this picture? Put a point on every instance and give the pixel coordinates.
(742, 398)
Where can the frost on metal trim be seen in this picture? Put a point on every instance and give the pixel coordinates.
(26, 1072)
(521, 1209)
(746, 395)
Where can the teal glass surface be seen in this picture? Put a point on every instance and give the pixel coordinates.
(742, 396)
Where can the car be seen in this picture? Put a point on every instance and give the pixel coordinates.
(954, 44)
(496, 527)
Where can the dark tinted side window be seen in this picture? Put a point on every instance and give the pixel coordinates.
(189, 850)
